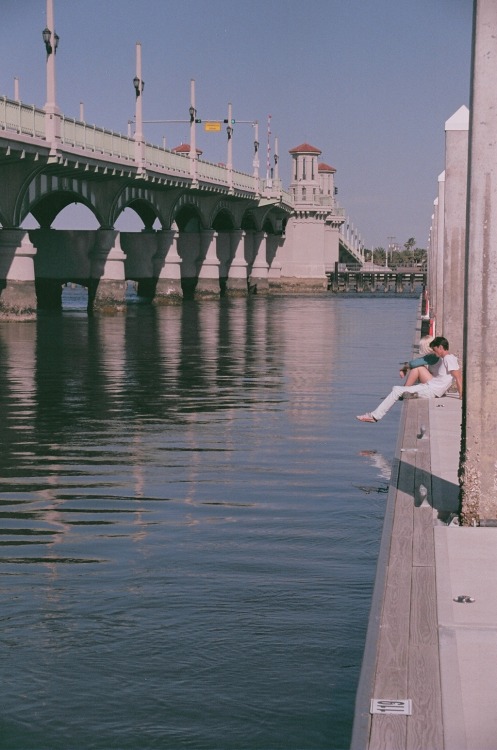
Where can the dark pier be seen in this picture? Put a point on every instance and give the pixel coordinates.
(348, 278)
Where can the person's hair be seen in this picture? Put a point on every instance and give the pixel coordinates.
(440, 341)
(425, 345)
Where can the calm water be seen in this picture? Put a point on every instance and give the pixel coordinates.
(190, 521)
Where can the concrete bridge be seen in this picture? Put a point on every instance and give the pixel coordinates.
(222, 224)
(208, 229)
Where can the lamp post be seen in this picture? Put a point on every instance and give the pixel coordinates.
(255, 163)
(229, 161)
(390, 248)
(51, 42)
(193, 145)
(139, 85)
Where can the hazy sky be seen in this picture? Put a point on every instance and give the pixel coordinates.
(369, 82)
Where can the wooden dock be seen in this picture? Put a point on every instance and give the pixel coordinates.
(380, 281)
(401, 659)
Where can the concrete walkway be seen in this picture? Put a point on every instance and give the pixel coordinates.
(466, 566)
(431, 650)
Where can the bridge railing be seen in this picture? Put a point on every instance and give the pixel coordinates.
(353, 251)
(89, 137)
(307, 199)
(30, 121)
(244, 181)
(164, 159)
(212, 172)
(21, 118)
(273, 188)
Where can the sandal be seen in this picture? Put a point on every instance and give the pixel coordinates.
(368, 417)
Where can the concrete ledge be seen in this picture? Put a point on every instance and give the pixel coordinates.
(466, 562)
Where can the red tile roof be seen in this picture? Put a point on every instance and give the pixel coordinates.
(305, 148)
(325, 168)
(184, 148)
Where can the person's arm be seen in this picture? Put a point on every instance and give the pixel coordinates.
(427, 359)
(457, 375)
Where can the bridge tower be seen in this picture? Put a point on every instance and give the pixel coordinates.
(311, 245)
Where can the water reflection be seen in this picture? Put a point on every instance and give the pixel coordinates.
(89, 403)
(382, 465)
(182, 546)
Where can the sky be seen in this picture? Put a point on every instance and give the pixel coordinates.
(370, 83)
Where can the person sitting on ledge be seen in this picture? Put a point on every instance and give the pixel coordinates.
(426, 357)
(423, 381)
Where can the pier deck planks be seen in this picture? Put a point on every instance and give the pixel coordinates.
(407, 656)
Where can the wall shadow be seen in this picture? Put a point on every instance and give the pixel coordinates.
(443, 496)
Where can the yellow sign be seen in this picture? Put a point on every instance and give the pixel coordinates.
(212, 127)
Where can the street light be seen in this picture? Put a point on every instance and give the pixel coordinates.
(47, 40)
(139, 85)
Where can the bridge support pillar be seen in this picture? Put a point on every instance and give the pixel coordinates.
(139, 249)
(237, 273)
(258, 279)
(274, 272)
(208, 277)
(167, 266)
(107, 286)
(17, 273)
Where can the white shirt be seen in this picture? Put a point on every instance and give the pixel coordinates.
(441, 371)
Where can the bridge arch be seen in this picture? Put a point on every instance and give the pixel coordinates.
(224, 221)
(227, 215)
(145, 202)
(269, 224)
(46, 195)
(145, 212)
(249, 222)
(3, 220)
(48, 207)
(188, 214)
(188, 219)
